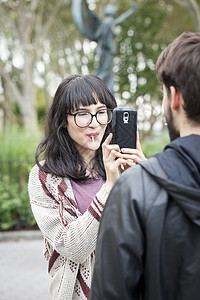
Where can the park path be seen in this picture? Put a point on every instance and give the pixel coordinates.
(23, 270)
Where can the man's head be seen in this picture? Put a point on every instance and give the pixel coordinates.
(178, 68)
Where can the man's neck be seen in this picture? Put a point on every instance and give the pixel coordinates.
(188, 130)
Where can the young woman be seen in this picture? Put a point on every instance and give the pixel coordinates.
(69, 188)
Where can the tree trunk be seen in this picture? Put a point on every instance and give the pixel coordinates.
(1, 112)
(26, 17)
(28, 105)
(193, 9)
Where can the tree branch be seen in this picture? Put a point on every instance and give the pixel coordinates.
(13, 88)
(193, 9)
(51, 18)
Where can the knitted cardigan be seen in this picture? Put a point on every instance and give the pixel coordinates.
(69, 236)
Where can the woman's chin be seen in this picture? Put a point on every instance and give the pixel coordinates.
(94, 145)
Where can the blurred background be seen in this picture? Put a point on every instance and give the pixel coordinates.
(40, 45)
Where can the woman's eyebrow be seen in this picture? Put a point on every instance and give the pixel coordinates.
(99, 107)
(81, 108)
(102, 106)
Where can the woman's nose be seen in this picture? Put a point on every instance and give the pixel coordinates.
(94, 122)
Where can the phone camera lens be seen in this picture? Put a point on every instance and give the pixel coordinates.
(126, 117)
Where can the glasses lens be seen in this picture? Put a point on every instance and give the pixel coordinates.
(83, 119)
(104, 116)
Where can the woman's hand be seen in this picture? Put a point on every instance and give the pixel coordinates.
(112, 159)
(115, 160)
(132, 156)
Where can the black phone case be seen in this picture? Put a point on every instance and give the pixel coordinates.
(124, 127)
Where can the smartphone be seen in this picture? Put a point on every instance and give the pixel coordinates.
(124, 127)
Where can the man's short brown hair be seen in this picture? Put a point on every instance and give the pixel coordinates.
(179, 66)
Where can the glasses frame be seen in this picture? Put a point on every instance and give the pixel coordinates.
(92, 116)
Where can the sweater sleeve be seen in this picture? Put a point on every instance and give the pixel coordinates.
(71, 234)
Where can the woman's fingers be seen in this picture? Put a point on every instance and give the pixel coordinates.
(109, 150)
(133, 154)
(114, 159)
(138, 146)
(108, 140)
(106, 144)
(112, 162)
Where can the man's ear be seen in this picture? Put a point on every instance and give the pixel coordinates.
(175, 98)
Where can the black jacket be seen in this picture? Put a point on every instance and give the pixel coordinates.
(149, 239)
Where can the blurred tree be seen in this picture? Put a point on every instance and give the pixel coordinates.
(152, 27)
(192, 7)
(20, 41)
(19, 18)
(40, 44)
(140, 44)
(31, 28)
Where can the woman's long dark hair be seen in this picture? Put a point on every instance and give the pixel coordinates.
(61, 157)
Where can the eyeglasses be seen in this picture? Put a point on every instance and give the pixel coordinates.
(84, 118)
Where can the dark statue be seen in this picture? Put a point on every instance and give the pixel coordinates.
(102, 32)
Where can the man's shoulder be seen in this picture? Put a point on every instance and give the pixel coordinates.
(150, 166)
(138, 188)
(140, 181)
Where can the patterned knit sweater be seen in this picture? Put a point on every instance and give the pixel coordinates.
(69, 236)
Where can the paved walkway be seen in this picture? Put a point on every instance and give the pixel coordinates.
(23, 269)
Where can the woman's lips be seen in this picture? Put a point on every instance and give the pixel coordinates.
(93, 136)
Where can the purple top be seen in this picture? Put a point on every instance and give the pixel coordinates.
(84, 191)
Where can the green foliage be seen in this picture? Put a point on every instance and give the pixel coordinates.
(155, 144)
(176, 12)
(17, 143)
(140, 45)
(15, 210)
(42, 104)
(142, 38)
(16, 159)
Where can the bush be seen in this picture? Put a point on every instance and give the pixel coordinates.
(17, 153)
(15, 207)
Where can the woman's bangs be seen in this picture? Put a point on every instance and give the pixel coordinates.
(80, 96)
(87, 91)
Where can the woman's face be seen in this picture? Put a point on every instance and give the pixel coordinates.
(89, 138)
